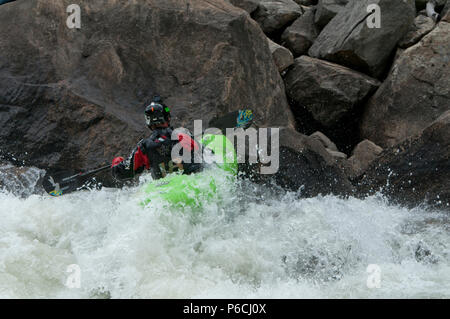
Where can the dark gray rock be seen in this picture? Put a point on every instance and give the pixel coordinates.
(416, 171)
(325, 141)
(282, 57)
(421, 27)
(327, 90)
(306, 2)
(327, 10)
(446, 12)
(248, 5)
(362, 156)
(273, 16)
(415, 93)
(74, 98)
(348, 40)
(307, 167)
(300, 36)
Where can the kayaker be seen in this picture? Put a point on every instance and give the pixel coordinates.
(155, 152)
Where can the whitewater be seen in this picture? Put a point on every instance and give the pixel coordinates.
(256, 242)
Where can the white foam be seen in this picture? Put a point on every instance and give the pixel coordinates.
(250, 245)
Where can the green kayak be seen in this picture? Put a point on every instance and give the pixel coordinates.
(179, 190)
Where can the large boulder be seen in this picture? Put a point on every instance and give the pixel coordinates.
(306, 2)
(362, 157)
(73, 98)
(282, 57)
(274, 16)
(20, 181)
(307, 167)
(446, 12)
(416, 92)
(5, 1)
(325, 141)
(327, 90)
(327, 10)
(421, 27)
(416, 171)
(348, 39)
(248, 5)
(300, 36)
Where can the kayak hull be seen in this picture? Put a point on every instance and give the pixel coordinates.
(180, 190)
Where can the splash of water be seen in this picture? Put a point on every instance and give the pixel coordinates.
(255, 242)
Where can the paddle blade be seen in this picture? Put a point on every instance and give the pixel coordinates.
(61, 183)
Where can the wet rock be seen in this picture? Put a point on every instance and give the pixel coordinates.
(416, 171)
(327, 90)
(273, 16)
(73, 98)
(337, 155)
(349, 41)
(421, 27)
(421, 4)
(248, 5)
(306, 2)
(300, 36)
(326, 142)
(362, 156)
(307, 167)
(282, 57)
(20, 181)
(446, 12)
(327, 10)
(424, 254)
(415, 93)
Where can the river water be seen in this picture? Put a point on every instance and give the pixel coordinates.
(255, 242)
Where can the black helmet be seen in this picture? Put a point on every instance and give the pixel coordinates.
(156, 113)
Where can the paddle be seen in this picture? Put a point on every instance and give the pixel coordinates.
(235, 119)
(63, 182)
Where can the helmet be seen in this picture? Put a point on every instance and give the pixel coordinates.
(155, 114)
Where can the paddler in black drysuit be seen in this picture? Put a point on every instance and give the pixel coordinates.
(154, 152)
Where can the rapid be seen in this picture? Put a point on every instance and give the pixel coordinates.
(255, 242)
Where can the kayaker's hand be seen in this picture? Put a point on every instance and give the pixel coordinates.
(116, 161)
(115, 169)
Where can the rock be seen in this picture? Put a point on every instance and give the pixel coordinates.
(327, 90)
(421, 27)
(446, 12)
(337, 155)
(362, 156)
(349, 41)
(416, 92)
(73, 98)
(324, 140)
(421, 4)
(20, 181)
(306, 2)
(417, 170)
(306, 167)
(327, 10)
(300, 36)
(282, 57)
(5, 1)
(248, 5)
(273, 16)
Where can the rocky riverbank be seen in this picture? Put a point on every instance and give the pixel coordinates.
(360, 109)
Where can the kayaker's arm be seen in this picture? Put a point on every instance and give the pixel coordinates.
(133, 165)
